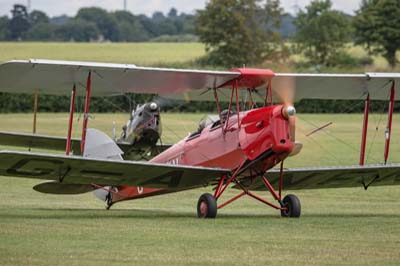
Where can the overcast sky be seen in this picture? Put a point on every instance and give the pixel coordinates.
(70, 7)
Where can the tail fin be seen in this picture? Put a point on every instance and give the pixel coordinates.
(99, 145)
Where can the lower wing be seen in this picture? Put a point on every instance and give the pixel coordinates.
(136, 152)
(333, 177)
(103, 172)
(38, 141)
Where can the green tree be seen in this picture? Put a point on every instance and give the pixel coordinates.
(104, 21)
(77, 30)
(38, 17)
(40, 27)
(173, 13)
(321, 32)
(377, 26)
(129, 27)
(4, 28)
(19, 23)
(233, 31)
(41, 32)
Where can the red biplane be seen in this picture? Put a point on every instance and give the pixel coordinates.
(239, 148)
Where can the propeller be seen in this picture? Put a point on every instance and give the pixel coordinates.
(285, 93)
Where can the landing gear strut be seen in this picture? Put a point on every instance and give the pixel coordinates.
(289, 205)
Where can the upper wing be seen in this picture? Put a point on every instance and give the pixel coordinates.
(58, 77)
(78, 170)
(333, 177)
(338, 86)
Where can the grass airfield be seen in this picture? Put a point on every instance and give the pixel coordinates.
(147, 54)
(338, 226)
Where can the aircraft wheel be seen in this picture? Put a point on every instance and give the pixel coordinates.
(292, 203)
(207, 206)
(109, 201)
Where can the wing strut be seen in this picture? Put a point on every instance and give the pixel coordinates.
(389, 123)
(364, 131)
(35, 107)
(71, 119)
(86, 113)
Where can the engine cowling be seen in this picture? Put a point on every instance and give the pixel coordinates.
(264, 129)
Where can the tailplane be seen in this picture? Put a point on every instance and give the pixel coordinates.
(99, 145)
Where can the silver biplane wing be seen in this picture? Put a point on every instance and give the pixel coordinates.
(333, 177)
(338, 86)
(85, 171)
(38, 141)
(58, 77)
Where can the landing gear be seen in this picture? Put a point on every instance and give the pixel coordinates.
(207, 206)
(291, 205)
(109, 201)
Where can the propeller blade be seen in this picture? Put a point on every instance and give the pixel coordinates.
(292, 128)
(286, 92)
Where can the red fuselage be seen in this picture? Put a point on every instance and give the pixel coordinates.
(259, 131)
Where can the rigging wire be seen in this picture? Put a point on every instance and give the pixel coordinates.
(349, 109)
(346, 144)
(327, 151)
(116, 106)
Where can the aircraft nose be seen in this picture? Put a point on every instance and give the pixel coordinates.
(288, 111)
(153, 106)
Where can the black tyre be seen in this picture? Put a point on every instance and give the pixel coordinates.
(109, 201)
(292, 203)
(207, 206)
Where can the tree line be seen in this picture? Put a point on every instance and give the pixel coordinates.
(236, 32)
(96, 24)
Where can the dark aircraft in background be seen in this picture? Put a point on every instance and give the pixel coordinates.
(141, 133)
(138, 139)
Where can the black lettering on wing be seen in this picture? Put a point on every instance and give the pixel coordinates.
(44, 167)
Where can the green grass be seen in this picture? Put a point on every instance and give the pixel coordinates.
(133, 53)
(150, 54)
(337, 227)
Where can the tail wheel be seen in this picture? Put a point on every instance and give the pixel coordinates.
(109, 201)
(292, 205)
(207, 206)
